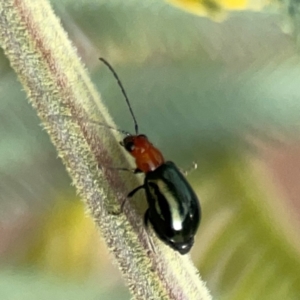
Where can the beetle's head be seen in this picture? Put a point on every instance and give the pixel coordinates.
(136, 143)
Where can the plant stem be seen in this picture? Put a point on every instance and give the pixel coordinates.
(57, 85)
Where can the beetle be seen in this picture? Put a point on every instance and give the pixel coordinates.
(173, 207)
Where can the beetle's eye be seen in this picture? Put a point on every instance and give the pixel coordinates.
(129, 146)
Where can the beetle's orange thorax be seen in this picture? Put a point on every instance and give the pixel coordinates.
(147, 157)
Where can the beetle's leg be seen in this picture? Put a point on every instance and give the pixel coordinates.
(129, 196)
(135, 190)
(134, 171)
(192, 168)
(125, 200)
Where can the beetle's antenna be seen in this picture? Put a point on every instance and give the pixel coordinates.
(92, 122)
(123, 92)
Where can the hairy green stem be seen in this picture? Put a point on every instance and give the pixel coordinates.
(57, 85)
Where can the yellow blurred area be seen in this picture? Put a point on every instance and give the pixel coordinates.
(67, 243)
(216, 9)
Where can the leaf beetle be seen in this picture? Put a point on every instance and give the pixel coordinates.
(173, 207)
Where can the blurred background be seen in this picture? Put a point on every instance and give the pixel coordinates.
(212, 82)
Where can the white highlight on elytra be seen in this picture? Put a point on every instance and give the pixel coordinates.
(176, 217)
